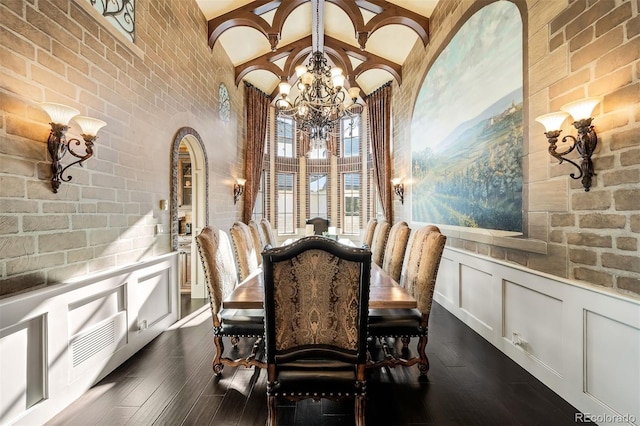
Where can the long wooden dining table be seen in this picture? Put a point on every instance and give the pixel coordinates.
(384, 292)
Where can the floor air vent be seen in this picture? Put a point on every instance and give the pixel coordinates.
(93, 342)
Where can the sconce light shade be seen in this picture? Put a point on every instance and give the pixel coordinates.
(553, 120)
(59, 114)
(581, 109)
(238, 189)
(58, 145)
(398, 188)
(88, 125)
(585, 142)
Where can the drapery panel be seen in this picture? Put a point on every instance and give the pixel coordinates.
(379, 108)
(257, 115)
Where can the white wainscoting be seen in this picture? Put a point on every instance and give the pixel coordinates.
(581, 341)
(56, 342)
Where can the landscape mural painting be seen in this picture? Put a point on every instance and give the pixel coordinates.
(466, 132)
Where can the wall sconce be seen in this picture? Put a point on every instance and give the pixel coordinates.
(58, 145)
(238, 189)
(586, 141)
(398, 188)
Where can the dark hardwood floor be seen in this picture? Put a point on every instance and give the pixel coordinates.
(170, 382)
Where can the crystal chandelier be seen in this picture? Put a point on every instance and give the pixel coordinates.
(322, 100)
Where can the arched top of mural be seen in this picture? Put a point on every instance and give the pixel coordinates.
(466, 129)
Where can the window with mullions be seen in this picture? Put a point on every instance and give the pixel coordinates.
(351, 203)
(317, 195)
(258, 208)
(285, 137)
(286, 203)
(350, 137)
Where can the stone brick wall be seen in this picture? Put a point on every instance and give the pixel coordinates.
(59, 51)
(573, 49)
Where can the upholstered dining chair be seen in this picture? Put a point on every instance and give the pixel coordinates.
(418, 279)
(220, 275)
(369, 231)
(395, 250)
(379, 242)
(258, 240)
(316, 299)
(244, 249)
(267, 231)
(320, 225)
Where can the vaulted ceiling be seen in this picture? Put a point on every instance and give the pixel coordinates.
(267, 39)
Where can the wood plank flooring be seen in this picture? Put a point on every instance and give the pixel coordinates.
(170, 382)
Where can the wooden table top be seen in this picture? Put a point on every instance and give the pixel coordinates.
(384, 292)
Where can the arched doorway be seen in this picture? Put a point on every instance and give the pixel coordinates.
(189, 206)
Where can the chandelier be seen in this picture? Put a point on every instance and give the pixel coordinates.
(322, 101)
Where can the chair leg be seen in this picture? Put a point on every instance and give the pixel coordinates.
(271, 410)
(405, 344)
(359, 410)
(217, 363)
(423, 366)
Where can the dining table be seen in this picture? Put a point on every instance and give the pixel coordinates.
(384, 292)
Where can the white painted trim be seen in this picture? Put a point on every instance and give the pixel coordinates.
(51, 306)
(563, 324)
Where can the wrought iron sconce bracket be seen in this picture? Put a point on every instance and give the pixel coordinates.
(398, 188)
(58, 146)
(585, 143)
(238, 189)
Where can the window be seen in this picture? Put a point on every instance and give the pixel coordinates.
(285, 140)
(351, 203)
(317, 196)
(286, 203)
(350, 137)
(258, 208)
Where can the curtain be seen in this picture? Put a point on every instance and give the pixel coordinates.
(257, 115)
(379, 107)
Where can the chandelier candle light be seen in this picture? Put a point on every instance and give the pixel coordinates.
(58, 145)
(322, 100)
(585, 142)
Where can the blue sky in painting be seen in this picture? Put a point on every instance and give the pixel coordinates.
(481, 64)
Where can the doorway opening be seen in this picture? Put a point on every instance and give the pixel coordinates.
(189, 208)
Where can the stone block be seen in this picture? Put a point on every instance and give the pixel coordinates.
(556, 236)
(16, 246)
(34, 263)
(627, 243)
(635, 223)
(592, 200)
(563, 219)
(602, 221)
(625, 139)
(629, 283)
(8, 225)
(88, 221)
(11, 186)
(554, 262)
(613, 19)
(598, 48)
(498, 253)
(585, 257)
(593, 276)
(630, 157)
(19, 206)
(588, 239)
(48, 222)
(22, 283)
(62, 241)
(517, 257)
(622, 262)
(627, 199)
(621, 177)
(538, 226)
(548, 196)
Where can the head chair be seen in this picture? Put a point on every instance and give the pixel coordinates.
(316, 307)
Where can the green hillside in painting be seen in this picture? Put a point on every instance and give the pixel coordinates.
(476, 179)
